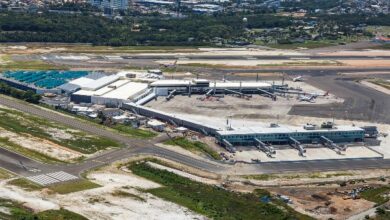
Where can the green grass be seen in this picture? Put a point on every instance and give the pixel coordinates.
(376, 194)
(4, 174)
(194, 146)
(61, 214)
(17, 211)
(133, 132)
(9, 64)
(22, 123)
(380, 82)
(5, 143)
(25, 184)
(122, 129)
(120, 193)
(209, 200)
(75, 186)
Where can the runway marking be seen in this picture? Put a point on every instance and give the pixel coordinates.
(51, 178)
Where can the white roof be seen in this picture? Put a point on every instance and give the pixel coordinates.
(119, 117)
(99, 83)
(243, 85)
(126, 90)
(221, 85)
(282, 129)
(81, 81)
(171, 83)
(155, 123)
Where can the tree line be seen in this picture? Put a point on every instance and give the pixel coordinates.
(29, 95)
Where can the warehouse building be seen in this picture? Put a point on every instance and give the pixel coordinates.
(109, 90)
(40, 81)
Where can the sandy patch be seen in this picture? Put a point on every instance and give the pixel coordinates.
(357, 53)
(29, 200)
(366, 63)
(42, 146)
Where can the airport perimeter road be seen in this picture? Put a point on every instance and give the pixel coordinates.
(27, 167)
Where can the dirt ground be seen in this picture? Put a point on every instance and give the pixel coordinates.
(42, 146)
(322, 202)
(100, 203)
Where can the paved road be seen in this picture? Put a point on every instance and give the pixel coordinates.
(133, 147)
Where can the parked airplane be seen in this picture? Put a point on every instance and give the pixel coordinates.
(307, 98)
(298, 79)
(169, 65)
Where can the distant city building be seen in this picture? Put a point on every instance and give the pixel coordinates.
(111, 5)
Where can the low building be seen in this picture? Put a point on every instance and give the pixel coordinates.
(156, 125)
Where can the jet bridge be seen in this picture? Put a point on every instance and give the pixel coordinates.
(229, 147)
(297, 145)
(171, 95)
(269, 150)
(237, 93)
(330, 144)
(271, 95)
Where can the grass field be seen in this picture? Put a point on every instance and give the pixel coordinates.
(193, 146)
(211, 201)
(25, 184)
(11, 210)
(74, 186)
(133, 132)
(6, 63)
(4, 174)
(376, 195)
(381, 82)
(23, 124)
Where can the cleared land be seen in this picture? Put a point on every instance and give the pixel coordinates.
(13, 210)
(45, 140)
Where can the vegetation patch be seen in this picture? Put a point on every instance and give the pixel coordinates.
(75, 186)
(4, 174)
(194, 146)
(25, 184)
(378, 195)
(14, 210)
(381, 82)
(133, 132)
(23, 124)
(9, 64)
(212, 201)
